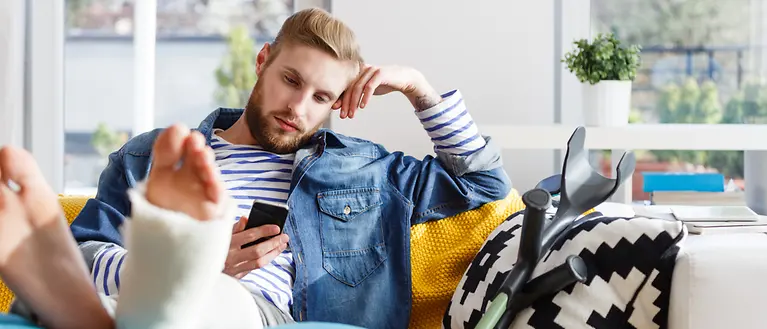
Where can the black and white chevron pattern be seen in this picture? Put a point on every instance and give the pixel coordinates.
(630, 264)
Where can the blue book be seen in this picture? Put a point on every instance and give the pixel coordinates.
(678, 182)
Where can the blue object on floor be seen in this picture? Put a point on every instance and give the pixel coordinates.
(315, 325)
(692, 182)
(12, 321)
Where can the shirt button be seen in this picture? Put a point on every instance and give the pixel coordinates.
(347, 210)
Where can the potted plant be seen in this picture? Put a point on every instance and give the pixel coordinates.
(606, 70)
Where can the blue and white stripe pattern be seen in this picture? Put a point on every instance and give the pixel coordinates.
(450, 126)
(107, 266)
(251, 173)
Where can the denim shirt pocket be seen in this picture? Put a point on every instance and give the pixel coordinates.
(351, 233)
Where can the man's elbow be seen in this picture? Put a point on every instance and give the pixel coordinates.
(490, 185)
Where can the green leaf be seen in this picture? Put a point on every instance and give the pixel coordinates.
(236, 74)
(602, 59)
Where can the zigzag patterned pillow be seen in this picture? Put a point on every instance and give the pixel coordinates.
(630, 264)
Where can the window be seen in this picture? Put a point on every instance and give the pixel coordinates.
(192, 42)
(702, 63)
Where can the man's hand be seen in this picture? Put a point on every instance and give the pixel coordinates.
(240, 262)
(374, 80)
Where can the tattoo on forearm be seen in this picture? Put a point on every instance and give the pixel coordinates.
(426, 101)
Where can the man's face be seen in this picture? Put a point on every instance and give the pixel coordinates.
(293, 95)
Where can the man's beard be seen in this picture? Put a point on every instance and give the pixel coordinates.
(271, 139)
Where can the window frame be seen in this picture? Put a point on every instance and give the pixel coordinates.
(44, 88)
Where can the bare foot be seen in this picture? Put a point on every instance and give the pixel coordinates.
(39, 259)
(184, 176)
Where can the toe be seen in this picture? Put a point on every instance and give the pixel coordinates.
(11, 209)
(169, 146)
(14, 227)
(199, 166)
(5, 193)
(35, 195)
(193, 152)
(18, 166)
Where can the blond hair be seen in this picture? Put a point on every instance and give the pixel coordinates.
(318, 29)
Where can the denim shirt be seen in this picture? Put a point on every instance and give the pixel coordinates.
(352, 204)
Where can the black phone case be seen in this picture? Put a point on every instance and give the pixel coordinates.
(265, 214)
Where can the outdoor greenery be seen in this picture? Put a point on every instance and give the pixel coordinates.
(692, 102)
(675, 23)
(604, 58)
(748, 106)
(236, 75)
(105, 140)
(73, 10)
(687, 25)
(688, 102)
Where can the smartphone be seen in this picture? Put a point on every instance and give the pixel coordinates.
(265, 213)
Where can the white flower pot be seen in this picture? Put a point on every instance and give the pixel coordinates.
(607, 103)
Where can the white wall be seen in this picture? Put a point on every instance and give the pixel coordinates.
(304, 4)
(500, 54)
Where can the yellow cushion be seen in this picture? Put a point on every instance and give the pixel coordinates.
(440, 250)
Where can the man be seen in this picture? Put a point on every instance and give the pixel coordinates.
(344, 254)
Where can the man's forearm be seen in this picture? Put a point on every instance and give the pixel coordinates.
(448, 123)
(424, 96)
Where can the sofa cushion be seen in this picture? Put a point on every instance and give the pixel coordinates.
(719, 282)
(630, 264)
(442, 250)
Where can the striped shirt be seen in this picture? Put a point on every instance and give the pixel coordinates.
(251, 173)
(451, 127)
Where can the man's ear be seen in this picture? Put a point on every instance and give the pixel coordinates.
(261, 58)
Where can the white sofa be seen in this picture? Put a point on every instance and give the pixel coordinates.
(720, 282)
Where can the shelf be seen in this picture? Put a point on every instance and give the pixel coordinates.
(633, 137)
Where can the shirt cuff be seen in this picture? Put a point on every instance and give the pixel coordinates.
(451, 127)
(107, 269)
